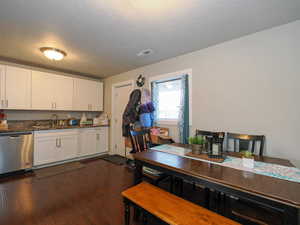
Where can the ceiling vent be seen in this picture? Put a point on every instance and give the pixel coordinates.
(145, 52)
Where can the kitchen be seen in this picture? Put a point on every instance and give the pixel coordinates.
(28, 144)
(149, 112)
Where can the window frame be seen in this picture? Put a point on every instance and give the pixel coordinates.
(170, 76)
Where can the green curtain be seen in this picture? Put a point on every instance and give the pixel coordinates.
(184, 120)
(154, 95)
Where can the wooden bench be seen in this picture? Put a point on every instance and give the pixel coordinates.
(168, 207)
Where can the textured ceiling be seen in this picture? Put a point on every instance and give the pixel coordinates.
(102, 38)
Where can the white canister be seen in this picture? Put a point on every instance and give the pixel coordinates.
(248, 162)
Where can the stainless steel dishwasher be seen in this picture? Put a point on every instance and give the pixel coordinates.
(16, 151)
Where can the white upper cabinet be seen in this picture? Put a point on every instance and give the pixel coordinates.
(51, 92)
(25, 89)
(15, 87)
(88, 95)
(63, 96)
(42, 91)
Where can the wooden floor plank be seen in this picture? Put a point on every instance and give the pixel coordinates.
(89, 196)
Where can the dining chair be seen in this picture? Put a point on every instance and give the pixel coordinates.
(243, 209)
(210, 193)
(210, 134)
(245, 142)
(141, 141)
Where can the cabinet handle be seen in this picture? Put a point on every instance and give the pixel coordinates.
(56, 141)
(98, 137)
(55, 105)
(60, 142)
(6, 103)
(234, 198)
(2, 103)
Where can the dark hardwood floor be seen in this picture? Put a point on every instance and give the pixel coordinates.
(88, 196)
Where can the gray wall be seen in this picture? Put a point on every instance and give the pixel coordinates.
(247, 85)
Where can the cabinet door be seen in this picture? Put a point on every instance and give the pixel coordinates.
(63, 90)
(88, 95)
(17, 88)
(102, 140)
(88, 144)
(82, 95)
(97, 101)
(68, 146)
(43, 95)
(45, 150)
(2, 86)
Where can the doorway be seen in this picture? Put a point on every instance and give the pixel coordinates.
(120, 97)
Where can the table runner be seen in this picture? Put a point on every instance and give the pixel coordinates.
(262, 168)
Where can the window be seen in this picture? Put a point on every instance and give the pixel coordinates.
(171, 96)
(168, 99)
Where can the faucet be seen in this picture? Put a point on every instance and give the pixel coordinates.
(54, 120)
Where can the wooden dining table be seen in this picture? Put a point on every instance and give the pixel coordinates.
(277, 194)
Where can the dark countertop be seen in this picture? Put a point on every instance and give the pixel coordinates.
(41, 128)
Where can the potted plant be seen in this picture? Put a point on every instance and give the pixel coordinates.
(198, 143)
(248, 159)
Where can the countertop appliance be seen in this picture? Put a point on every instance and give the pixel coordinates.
(16, 151)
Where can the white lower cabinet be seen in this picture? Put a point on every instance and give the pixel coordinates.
(58, 145)
(54, 146)
(45, 150)
(102, 143)
(68, 146)
(93, 141)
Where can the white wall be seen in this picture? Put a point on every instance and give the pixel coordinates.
(248, 85)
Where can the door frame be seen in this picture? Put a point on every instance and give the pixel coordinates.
(113, 90)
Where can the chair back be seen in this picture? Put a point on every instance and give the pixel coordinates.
(140, 140)
(246, 142)
(209, 135)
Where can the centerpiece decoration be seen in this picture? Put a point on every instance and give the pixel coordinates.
(198, 144)
(248, 159)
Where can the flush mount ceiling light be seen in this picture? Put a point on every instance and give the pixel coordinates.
(145, 52)
(53, 53)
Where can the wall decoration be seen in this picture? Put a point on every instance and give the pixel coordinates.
(140, 81)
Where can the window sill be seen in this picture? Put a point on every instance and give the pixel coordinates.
(167, 122)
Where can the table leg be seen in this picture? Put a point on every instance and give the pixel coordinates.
(138, 172)
(292, 216)
(207, 197)
(127, 212)
(145, 218)
(136, 214)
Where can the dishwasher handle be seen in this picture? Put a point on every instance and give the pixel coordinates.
(13, 137)
(14, 134)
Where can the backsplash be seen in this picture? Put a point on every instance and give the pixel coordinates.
(44, 115)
